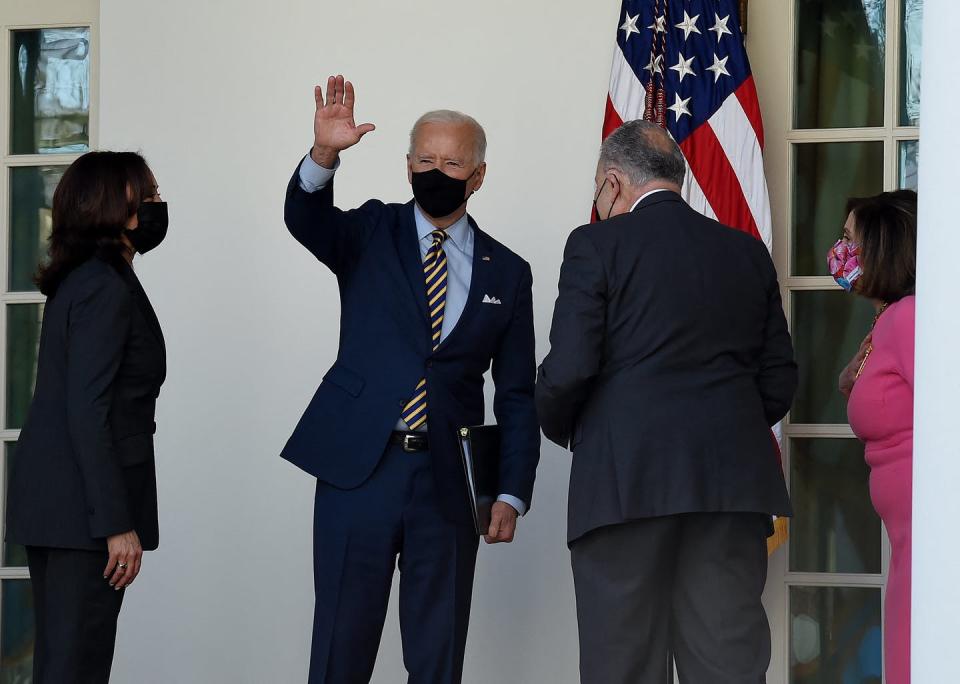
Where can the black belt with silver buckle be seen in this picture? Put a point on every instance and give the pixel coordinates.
(411, 442)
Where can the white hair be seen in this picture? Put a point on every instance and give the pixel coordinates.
(644, 152)
(448, 116)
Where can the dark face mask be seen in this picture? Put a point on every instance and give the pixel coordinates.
(437, 193)
(152, 222)
(596, 212)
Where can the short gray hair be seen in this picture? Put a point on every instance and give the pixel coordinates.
(644, 152)
(448, 116)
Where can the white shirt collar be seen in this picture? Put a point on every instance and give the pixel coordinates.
(458, 232)
(646, 195)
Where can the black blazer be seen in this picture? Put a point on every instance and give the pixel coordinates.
(670, 359)
(385, 349)
(84, 464)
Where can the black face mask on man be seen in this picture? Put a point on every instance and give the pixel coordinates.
(152, 224)
(596, 210)
(437, 193)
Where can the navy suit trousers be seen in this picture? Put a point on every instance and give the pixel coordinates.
(358, 536)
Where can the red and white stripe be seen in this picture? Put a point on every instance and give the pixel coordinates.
(724, 155)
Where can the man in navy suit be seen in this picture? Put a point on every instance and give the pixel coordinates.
(428, 303)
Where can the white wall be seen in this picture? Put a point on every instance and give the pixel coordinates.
(218, 95)
(936, 465)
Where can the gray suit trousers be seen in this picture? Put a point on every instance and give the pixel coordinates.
(688, 585)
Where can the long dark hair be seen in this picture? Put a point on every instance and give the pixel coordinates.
(96, 197)
(886, 226)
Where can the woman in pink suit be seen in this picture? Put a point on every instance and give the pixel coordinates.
(876, 259)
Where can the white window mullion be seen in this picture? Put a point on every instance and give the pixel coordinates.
(31, 15)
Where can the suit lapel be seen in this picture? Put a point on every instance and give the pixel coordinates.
(140, 295)
(480, 280)
(407, 243)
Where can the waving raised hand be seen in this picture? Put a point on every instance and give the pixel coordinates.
(334, 128)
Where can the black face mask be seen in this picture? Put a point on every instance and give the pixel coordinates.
(152, 222)
(437, 193)
(596, 212)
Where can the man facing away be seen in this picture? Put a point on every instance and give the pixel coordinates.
(428, 302)
(670, 359)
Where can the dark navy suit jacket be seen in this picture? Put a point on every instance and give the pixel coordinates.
(385, 349)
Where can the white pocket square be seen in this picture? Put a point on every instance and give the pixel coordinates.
(487, 299)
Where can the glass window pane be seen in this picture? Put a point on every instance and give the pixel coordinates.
(825, 176)
(50, 98)
(16, 632)
(910, 42)
(31, 197)
(835, 635)
(14, 555)
(23, 342)
(828, 327)
(840, 57)
(909, 163)
(838, 530)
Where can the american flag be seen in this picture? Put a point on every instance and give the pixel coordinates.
(682, 63)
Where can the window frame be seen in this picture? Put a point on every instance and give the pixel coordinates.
(21, 15)
(891, 134)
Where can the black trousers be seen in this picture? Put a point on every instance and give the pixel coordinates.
(687, 584)
(76, 616)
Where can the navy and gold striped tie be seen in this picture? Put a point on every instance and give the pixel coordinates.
(435, 271)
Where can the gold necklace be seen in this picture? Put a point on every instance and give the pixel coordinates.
(869, 351)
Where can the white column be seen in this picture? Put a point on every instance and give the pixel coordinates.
(936, 469)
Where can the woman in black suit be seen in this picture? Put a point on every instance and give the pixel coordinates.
(83, 490)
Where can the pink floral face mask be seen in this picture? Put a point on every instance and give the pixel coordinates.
(843, 261)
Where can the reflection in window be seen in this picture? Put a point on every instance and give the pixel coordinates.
(909, 151)
(16, 632)
(14, 555)
(31, 197)
(825, 175)
(840, 58)
(835, 635)
(838, 529)
(875, 12)
(911, 37)
(828, 327)
(23, 344)
(50, 91)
